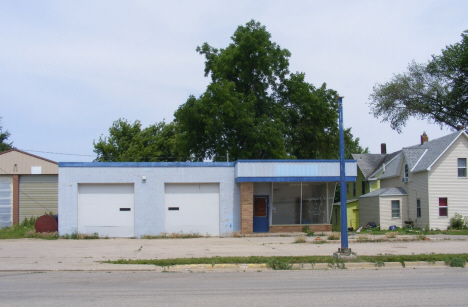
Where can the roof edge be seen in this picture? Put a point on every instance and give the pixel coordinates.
(446, 148)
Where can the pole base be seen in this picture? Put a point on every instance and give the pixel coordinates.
(345, 253)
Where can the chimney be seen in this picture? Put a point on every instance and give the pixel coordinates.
(383, 148)
(424, 138)
(460, 127)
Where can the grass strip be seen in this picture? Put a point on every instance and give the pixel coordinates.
(291, 260)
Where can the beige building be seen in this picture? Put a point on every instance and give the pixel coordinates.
(28, 186)
(426, 184)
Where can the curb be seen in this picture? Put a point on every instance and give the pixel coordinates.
(248, 267)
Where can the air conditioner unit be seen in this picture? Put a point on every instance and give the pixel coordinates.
(405, 179)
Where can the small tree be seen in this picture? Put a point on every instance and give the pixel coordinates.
(4, 135)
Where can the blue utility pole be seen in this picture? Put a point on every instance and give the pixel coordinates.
(344, 217)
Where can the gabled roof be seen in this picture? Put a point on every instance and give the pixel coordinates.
(386, 192)
(418, 157)
(26, 153)
(434, 150)
(369, 163)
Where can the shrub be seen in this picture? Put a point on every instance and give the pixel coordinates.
(457, 221)
(457, 262)
(300, 239)
(334, 236)
(279, 264)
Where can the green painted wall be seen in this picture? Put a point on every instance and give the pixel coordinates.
(352, 213)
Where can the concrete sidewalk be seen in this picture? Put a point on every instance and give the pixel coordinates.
(68, 255)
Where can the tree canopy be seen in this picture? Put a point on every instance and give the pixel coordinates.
(254, 108)
(437, 91)
(128, 142)
(4, 135)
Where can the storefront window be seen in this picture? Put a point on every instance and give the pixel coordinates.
(313, 208)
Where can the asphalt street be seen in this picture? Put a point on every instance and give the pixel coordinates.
(415, 287)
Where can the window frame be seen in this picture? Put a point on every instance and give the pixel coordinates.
(418, 208)
(363, 187)
(406, 171)
(354, 188)
(394, 202)
(461, 168)
(443, 206)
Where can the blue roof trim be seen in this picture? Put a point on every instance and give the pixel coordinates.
(146, 164)
(291, 161)
(294, 179)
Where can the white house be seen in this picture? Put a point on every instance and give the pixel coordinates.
(426, 183)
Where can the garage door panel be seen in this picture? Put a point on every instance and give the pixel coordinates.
(107, 209)
(194, 208)
(94, 214)
(115, 232)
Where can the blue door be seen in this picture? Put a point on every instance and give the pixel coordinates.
(260, 214)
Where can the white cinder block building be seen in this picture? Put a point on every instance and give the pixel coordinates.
(133, 199)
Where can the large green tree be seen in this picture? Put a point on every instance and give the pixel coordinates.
(254, 108)
(4, 135)
(129, 142)
(437, 91)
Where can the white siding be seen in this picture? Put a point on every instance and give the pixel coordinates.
(417, 188)
(444, 182)
(369, 210)
(386, 219)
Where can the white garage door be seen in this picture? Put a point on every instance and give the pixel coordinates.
(107, 209)
(192, 208)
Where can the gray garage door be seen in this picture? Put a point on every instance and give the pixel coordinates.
(6, 201)
(38, 195)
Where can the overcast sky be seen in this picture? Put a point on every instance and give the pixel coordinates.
(68, 69)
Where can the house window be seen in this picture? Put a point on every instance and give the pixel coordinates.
(461, 167)
(347, 188)
(418, 208)
(354, 188)
(395, 209)
(406, 171)
(443, 207)
(363, 187)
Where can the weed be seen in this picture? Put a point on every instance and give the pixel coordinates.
(42, 235)
(363, 238)
(279, 264)
(307, 231)
(300, 239)
(336, 264)
(457, 262)
(379, 264)
(391, 235)
(422, 237)
(174, 235)
(81, 236)
(235, 234)
(334, 236)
